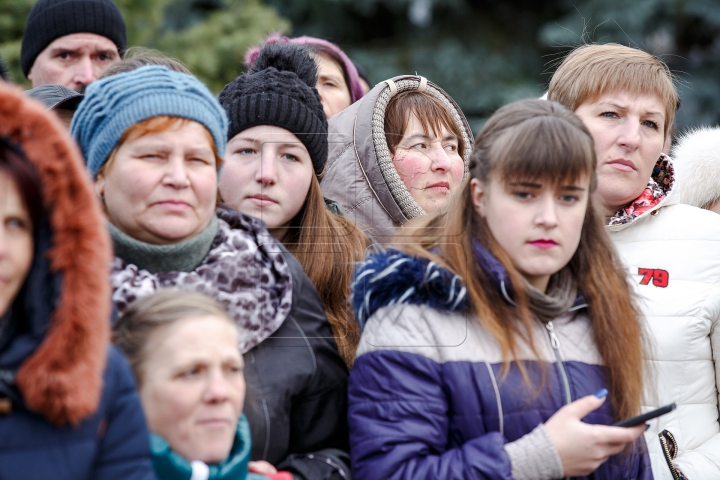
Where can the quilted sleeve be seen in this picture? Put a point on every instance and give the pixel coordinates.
(703, 462)
(399, 424)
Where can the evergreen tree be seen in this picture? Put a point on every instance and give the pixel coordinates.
(209, 36)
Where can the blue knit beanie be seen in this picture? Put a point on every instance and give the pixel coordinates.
(116, 103)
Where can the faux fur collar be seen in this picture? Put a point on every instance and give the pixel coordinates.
(62, 378)
(394, 277)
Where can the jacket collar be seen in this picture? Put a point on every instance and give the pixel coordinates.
(170, 465)
(393, 277)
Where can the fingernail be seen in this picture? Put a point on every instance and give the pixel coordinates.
(601, 393)
(647, 427)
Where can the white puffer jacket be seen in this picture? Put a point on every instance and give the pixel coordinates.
(672, 252)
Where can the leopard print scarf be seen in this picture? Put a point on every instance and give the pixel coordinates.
(242, 271)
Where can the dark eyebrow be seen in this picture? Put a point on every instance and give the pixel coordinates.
(288, 144)
(451, 137)
(109, 53)
(572, 188)
(525, 184)
(59, 50)
(566, 188)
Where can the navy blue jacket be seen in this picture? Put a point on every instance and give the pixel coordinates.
(68, 405)
(112, 443)
(426, 394)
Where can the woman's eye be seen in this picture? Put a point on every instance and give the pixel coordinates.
(190, 373)
(150, 156)
(245, 151)
(234, 369)
(451, 148)
(523, 195)
(418, 146)
(17, 224)
(609, 114)
(569, 198)
(651, 124)
(288, 156)
(200, 160)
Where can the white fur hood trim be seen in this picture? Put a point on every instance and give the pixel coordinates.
(697, 166)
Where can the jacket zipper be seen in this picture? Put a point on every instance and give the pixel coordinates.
(555, 343)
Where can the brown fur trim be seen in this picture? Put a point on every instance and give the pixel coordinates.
(62, 380)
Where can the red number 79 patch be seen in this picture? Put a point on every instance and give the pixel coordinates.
(659, 277)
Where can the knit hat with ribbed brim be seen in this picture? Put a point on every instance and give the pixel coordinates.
(51, 19)
(116, 103)
(280, 90)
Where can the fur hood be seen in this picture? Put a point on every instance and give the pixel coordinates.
(697, 165)
(359, 173)
(57, 364)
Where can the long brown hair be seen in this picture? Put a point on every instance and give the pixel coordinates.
(328, 245)
(540, 141)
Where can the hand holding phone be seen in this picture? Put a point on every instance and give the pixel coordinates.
(631, 422)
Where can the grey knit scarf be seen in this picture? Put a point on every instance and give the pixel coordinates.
(179, 257)
(560, 296)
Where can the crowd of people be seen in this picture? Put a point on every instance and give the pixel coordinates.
(309, 278)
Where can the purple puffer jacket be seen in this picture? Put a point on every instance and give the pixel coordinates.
(426, 394)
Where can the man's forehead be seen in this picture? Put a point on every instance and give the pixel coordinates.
(83, 41)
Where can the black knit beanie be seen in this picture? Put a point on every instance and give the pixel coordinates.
(280, 90)
(52, 19)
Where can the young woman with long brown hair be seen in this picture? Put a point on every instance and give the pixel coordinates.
(492, 339)
(276, 154)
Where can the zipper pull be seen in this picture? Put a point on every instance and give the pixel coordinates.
(554, 341)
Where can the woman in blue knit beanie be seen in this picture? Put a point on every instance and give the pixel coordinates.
(153, 139)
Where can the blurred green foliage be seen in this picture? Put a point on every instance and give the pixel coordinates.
(485, 53)
(209, 36)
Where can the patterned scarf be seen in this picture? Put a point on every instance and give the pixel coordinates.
(244, 270)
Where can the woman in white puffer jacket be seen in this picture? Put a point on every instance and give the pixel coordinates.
(627, 99)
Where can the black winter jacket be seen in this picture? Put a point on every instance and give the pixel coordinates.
(297, 391)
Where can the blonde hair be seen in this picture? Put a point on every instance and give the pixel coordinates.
(591, 71)
(160, 309)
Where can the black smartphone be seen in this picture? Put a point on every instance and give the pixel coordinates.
(640, 419)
